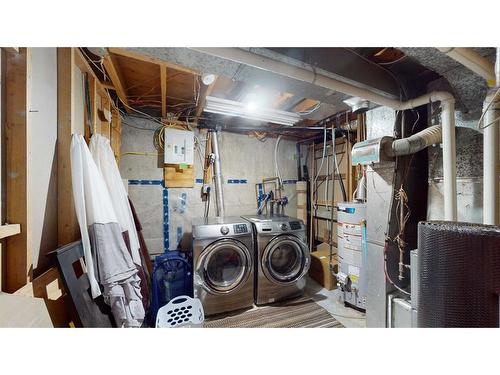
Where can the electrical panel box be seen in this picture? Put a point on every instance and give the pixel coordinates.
(179, 146)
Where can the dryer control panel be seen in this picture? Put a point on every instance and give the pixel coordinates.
(240, 228)
(273, 227)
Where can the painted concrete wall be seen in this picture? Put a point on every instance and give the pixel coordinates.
(42, 157)
(242, 158)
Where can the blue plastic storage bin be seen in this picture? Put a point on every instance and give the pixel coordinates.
(172, 277)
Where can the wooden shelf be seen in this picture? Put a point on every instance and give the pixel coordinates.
(9, 230)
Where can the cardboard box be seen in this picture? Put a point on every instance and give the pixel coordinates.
(320, 268)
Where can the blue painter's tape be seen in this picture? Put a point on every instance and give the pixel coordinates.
(166, 226)
(235, 181)
(289, 182)
(199, 180)
(145, 182)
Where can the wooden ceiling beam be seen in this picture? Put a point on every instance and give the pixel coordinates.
(163, 78)
(204, 92)
(115, 75)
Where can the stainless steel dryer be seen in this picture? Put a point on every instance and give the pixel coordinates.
(282, 257)
(223, 252)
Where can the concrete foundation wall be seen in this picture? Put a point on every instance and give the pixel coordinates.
(242, 158)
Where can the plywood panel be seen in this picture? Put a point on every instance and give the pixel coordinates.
(176, 177)
(23, 312)
(42, 157)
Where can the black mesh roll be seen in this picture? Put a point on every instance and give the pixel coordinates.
(459, 274)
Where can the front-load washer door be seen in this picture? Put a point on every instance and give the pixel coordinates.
(224, 266)
(285, 259)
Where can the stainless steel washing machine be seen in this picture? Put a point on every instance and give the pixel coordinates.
(223, 253)
(282, 257)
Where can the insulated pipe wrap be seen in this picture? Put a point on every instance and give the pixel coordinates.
(416, 142)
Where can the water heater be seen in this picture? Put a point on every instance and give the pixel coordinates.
(351, 225)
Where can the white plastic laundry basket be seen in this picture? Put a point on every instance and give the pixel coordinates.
(182, 311)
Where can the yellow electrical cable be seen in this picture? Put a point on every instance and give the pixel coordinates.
(140, 153)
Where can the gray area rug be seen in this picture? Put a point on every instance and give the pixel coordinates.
(301, 313)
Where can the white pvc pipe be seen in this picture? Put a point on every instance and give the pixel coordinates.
(449, 161)
(219, 189)
(490, 167)
(491, 73)
(472, 60)
(491, 199)
(309, 75)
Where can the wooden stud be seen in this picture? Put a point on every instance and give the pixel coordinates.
(163, 83)
(114, 72)
(311, 193)
(18, 259)
(67, 223)
(116, 129)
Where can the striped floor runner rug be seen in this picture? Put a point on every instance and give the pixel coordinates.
(302, 313)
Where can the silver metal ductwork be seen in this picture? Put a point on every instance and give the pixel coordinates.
(416, 142)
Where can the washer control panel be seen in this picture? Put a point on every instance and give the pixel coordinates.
(240, 228)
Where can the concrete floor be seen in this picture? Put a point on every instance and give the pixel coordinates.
(330, 301)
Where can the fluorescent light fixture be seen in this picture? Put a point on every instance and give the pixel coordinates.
(250, 111)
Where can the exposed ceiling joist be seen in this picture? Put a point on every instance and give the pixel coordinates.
(305, 105)
(113, 70)
(163, 78)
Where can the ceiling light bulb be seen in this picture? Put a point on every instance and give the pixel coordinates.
(208, 79)
(251, 107)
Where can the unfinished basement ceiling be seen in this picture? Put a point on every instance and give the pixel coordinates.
(392, 72)
(468, 87)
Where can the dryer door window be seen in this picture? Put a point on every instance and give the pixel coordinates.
(225, 265)
(285, 259)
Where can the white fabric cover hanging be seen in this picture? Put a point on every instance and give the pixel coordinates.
(92, 203)
(106, 162)
(107, 258)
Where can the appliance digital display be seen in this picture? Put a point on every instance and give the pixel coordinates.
(240, 228)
